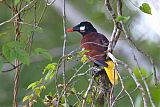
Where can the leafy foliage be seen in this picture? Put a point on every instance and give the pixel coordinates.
(50, 69)
(124, 19)
(142, 70)
(15, 50)
(44, 52)
(145, 8)
(38, 86)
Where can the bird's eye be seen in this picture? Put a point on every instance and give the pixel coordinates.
(82, 28)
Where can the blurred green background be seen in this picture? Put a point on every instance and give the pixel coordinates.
(51, 38)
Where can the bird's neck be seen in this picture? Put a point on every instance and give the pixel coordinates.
(86, 33)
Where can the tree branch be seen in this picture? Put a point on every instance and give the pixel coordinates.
(64, 49)
(144, 81)
(136, 81)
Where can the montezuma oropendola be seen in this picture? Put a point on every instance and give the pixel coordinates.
(96, 44)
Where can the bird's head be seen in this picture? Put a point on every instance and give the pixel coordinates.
(83, 28)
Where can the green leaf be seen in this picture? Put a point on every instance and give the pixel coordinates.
(32, 85)
(145, 8)
(28, 97)
(51, 67)
(15, 50)
(25, 98)
(52, 74)
(23, 56)
(44, 52)
(42, 87)
(138, 75)
(73, 90)
(16, 2)
(69, 57)
(49, 75)
(124, 19)
(84, 59)
(83, 52)
(37, 91)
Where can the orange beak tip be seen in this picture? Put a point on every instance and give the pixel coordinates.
(70, 30)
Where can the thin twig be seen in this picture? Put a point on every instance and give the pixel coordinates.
(143, 53)
(136, 81)
(116, 30)
(64, 49)
(50, 2)
(22, 9)
(14, 67)
(75, 74)
(123, 89)
(145, 83)
(129, 93)
(88, 89)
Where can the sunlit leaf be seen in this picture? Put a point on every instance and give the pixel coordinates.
(145, 8)
(37, 91)
(69, 57)
(42, 87)
(50, 75)
(49, 67)
(88, 100)
(83, 52)
(28, 97)
(25, 98)
(84, 58)
(32, 85)
(124, 19)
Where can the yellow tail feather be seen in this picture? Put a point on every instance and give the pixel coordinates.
(111, 72)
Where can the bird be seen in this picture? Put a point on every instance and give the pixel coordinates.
(96, 45)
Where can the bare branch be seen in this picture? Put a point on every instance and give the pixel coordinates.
(22, 9)
(136, 81)
(88, 89)
(143, 53)
(116, 30)
(123, 89)
(145, 83)
(64, 49)
(14, 67)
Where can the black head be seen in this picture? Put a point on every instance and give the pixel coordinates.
(83, 28)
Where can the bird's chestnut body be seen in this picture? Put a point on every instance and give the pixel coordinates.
(96, 45)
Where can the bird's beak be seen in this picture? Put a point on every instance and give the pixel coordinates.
(70, 30)
(75, 28)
